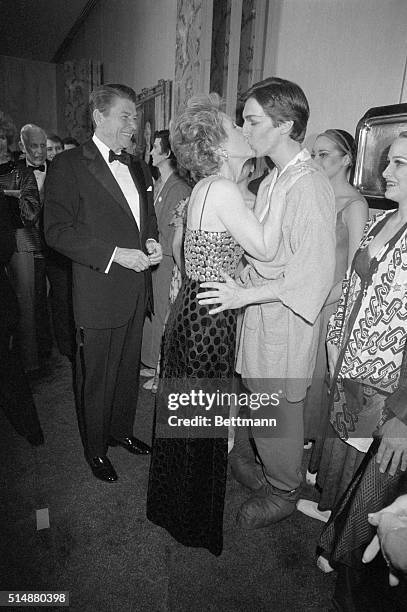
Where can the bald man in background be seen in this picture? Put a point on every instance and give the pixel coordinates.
(27, 265)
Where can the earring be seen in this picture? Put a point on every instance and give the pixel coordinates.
(224, 153)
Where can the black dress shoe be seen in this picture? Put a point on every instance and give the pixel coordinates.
(131, 444)
(102, 469)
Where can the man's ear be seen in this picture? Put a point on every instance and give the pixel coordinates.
(286, 127)
(97, 117)
(22, 146)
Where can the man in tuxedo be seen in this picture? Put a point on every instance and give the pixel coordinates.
(99, 212)
(33, 142)
(27, 265)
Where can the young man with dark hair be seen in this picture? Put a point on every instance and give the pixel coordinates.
(169, 190)
(70, 143)
(284, 297)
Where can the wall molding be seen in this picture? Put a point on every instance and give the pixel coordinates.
(89, 6)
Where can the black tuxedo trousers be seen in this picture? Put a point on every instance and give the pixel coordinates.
(111, 355)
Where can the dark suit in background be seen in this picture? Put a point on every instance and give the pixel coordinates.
(174, 190)
(86, 217)
(15, 394)
(27, 268)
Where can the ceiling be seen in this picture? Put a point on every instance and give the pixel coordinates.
(35, 29)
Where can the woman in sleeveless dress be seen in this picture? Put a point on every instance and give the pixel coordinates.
(335, 152)
(188, 472)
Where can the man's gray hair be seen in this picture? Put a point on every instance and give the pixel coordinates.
(27, 128)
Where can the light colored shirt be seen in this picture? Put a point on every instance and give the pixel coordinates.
(279, 339)
(125, 181)
(276, 175)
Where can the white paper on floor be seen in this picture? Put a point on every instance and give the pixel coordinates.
(42, 518)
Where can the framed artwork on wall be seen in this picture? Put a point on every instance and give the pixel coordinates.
(374, 134)
(153, 113)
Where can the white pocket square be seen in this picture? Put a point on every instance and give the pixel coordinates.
(150, 188)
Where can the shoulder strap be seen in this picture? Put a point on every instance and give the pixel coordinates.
(204, 202)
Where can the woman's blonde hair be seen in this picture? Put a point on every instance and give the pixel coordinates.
(196, 135)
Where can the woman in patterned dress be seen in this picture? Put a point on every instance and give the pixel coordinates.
(363, 464)
(366, 337)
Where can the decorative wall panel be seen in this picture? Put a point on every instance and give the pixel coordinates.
(247, 41)
(193, 49)
(80, 77)
(220, 46)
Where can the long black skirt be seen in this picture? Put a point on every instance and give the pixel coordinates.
(362, 587)
(187, 479)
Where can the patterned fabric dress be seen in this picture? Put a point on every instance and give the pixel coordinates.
(369, 327)
(188, 475)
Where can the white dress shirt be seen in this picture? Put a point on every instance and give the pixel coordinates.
(125, 181)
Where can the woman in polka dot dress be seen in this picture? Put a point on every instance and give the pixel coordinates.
(189, 463)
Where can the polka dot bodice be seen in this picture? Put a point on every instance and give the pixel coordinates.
(207, 253)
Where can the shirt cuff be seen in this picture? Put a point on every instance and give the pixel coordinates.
(110, 261)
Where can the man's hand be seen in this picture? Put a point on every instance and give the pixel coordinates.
(155, 252)
(131, 258)
(229, 294)
(388, 520)
(393, 447)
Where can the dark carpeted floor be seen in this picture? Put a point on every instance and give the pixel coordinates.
(101, 548)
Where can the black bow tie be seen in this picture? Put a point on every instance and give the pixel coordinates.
(123, 157)
(41, 168)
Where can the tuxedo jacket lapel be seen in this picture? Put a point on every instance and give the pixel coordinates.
(139, 181)
(97, 166)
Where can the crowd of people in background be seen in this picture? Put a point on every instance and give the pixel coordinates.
(249, 265)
